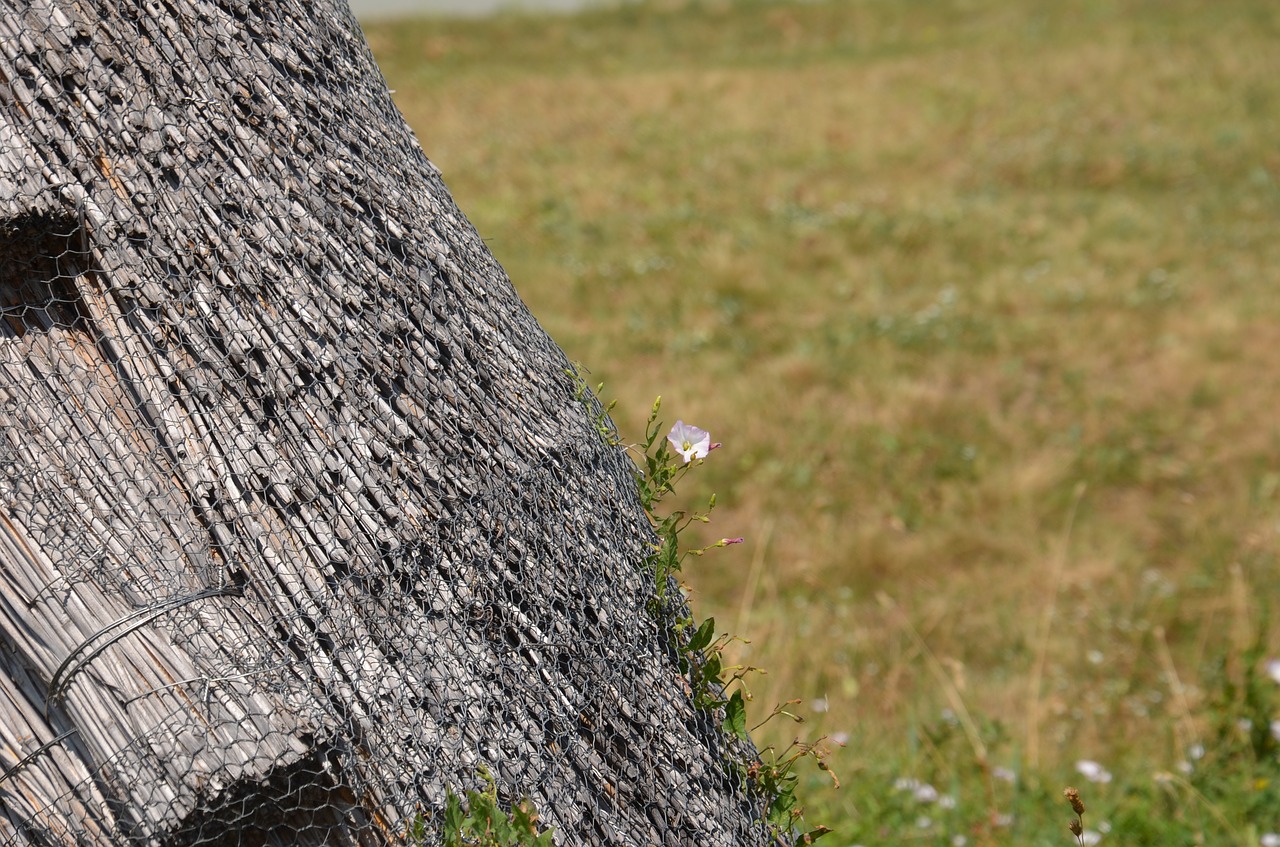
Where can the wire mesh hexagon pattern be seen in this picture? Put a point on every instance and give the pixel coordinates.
(301, 521)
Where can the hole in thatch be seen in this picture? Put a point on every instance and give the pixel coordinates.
(298, 805)
(40, 258)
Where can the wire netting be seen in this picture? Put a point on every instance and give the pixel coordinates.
(301, 521)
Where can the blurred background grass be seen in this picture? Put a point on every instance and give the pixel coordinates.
(980, 296)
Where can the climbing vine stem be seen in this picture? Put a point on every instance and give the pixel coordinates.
(662, 459)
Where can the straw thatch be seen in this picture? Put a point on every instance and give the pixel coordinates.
(300, 520)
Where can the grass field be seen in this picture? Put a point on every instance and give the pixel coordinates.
(981, 297)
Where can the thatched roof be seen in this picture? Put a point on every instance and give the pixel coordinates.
(300, 521)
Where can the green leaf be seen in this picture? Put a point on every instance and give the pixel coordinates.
(813, 835)
(735, 716)
(453, 819)
(711, 670)
(703, 636)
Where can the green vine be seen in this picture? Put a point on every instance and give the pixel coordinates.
(662, 460)
(479, 821)
(597, 411)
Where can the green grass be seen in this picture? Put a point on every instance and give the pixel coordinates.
(981, 299)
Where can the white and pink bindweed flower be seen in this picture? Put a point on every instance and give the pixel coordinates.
(690, 442)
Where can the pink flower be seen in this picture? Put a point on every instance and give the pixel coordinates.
(689, 441)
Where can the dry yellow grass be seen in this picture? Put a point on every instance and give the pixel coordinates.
(979, 296)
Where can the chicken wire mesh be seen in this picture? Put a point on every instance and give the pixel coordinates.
(301, 524)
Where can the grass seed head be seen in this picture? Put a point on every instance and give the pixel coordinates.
(1073, 797)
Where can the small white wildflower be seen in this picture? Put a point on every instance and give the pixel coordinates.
(840, 738)
(1090, 837)
(1244, 725)
(1186, 767)
(1095, 657)
(1275, 730)
(1004, 774)
(925, 793)
(1195, 751)
(958, 841)
(1104, 827)
(1003, 820)
(1270, 839)
(1093, 771)
(1273, 670)
(820, 704)
(689, 441)
(946, 801)
(924, 822)
(905, 783)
